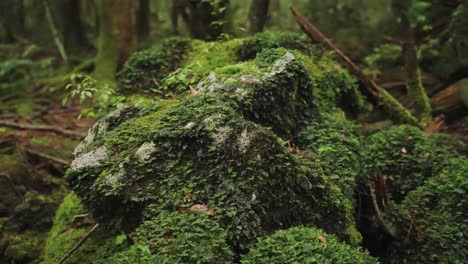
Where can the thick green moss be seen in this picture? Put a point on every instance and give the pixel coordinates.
(196, 60)
(68, 230)
(273, 90)
(405, 156)
(203, 151)
(432, 219)
(333, 146)
(304, 245)
(145, 69)
(177, 238)
(269, 40)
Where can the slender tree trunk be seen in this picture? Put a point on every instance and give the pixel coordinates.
(205, 20)
(143, 19)
(258, 15)
(176, 9)
(55, 33)
(116, 37)
(422, 105)
(12, 19)
(68, 16)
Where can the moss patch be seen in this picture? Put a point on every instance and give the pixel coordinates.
(304, 245)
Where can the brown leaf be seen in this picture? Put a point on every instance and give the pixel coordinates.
(192, 90)
(323, 240)
(201, 208)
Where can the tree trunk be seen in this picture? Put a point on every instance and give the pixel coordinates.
(258, 14)
(12, 19)
(416, 91)
(203, 19)
(68, 19)
(116, 37)
(143, 19)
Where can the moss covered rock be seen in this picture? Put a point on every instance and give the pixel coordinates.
(273, 90)
(405, 156)
(332, 148)
(304, 245)
(432, 219)
(204, 153)
(193, 61)
(145, 69)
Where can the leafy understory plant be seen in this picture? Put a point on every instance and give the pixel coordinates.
(84, 87)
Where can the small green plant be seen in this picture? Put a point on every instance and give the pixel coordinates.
(85, 87)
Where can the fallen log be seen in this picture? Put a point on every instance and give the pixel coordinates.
(394, 108)
(451, 98)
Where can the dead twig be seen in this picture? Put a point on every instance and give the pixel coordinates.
(77, 245)
(42, 128)
(386, 227)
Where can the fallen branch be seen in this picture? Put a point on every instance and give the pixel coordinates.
(317, 36)
(54, 30)
(42, 128)
(390, 104)
(48, 157)
(77, 245)
(385, 226)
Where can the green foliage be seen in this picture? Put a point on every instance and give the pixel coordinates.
(432, 219)
(177, 238)
(416, 11)
(453, 58)
(405, 156)
(17, 70)
(102, 95)
(304, 245)
(145, 69)
(381, 58)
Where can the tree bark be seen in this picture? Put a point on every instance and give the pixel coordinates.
(416, 91)
(258, 15)
(55, 33)
(68, 17)
(12, 19)
(203, 19)
(116, 37)
(143, 19)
